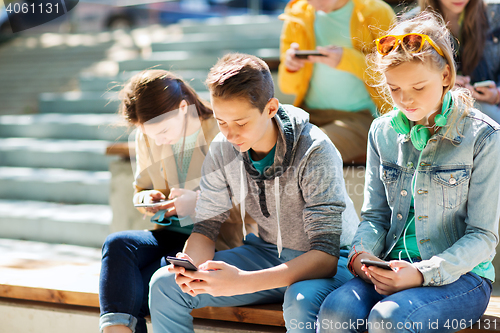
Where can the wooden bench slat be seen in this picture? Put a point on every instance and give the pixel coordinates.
(57, 276)
(267, 314)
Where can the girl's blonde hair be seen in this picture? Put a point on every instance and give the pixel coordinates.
(432, 25)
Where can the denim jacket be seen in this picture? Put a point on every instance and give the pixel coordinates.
(457, 195)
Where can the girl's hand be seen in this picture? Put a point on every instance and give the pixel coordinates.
(462, 81)
(333, 55)
(184, 201)
(292, 63)
(488, 95)
(151, 196)
(359, 268)
(216, 278)
(403, 276)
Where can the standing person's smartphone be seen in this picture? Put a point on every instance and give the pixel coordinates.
(303, 54)
(182, 263)
(380, 264)
(487, 83)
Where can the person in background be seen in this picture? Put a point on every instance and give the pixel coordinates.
(334, 87)
(432, 168)
(475, 26)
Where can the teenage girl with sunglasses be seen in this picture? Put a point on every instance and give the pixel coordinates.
(432, 197)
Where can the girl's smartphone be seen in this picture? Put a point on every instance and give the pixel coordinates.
(303, 54)
(381, 264)
(182, 263)
(486, 83)
(154, 204)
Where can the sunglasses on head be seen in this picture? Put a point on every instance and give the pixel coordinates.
(411, 42)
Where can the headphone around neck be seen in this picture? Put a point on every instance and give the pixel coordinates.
(419, 134)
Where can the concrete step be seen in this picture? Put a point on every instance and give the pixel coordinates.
(183, 60)
(115, 83)
(78, 102)
(64, 126)
(55, 185)
(86, 225)
(243, 25)
(50, 153)
(215, 42)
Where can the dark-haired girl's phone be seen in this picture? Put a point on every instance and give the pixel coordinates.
(380, 264)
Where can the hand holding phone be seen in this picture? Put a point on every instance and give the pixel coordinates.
(487, 83)
(380, 264)
(182, 263)
(154, 204)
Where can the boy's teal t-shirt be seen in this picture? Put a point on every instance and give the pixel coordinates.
(262, 164)
(331, 88)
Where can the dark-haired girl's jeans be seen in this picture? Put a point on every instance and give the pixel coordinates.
(129, 259)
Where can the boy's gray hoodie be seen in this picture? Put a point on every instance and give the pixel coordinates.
(305, 182)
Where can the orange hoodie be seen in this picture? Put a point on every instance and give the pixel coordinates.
(370, 20)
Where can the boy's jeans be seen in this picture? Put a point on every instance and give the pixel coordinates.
(170, 308)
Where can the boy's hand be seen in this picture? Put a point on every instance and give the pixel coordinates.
(216, 278)
(180, 275)
(403, 276)
(333, 55)
(292, 63)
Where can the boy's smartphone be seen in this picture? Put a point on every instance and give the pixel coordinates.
(303, 54)
(182, 263)
(486, 83)
(154, 204)
(381, 264)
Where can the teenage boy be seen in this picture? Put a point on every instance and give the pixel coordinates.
(287, 175)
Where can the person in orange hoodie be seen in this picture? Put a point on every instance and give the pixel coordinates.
(334, 87)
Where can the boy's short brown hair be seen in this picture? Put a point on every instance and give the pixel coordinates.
(238, 75)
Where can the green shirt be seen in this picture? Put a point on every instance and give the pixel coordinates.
(485, 269)
(411, 248)
(262, 164)
(331, 88)
(182, 170)
(189, 144)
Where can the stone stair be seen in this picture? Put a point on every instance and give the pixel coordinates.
(55, 179)
(54, 172)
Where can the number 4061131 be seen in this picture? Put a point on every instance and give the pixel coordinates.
(42, 8)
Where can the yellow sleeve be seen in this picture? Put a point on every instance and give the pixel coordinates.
(292, 82)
